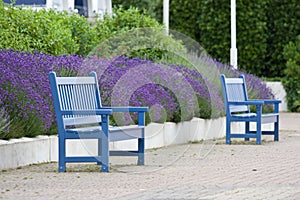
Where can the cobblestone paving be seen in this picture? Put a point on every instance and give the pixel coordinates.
(208, 170)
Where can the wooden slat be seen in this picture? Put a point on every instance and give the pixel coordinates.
(235, 92)
(78, 97)
(233, 80)
(75, 80)
(115, 133)
(70, 121)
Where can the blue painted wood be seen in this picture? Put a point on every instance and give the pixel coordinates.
(141, 140)
(80, 115)
(237, 110)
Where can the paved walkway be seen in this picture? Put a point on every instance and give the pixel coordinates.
(208, 170)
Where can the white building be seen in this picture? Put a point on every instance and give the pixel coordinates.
(88, 8)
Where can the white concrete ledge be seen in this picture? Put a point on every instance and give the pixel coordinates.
(25, 151)
(280, 94)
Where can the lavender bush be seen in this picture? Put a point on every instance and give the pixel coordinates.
(256, 88)
(25, 91)
(4, 122)
(173, 93)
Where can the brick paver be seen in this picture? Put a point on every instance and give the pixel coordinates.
(208, 170)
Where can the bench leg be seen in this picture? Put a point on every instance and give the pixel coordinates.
(228, 129)
(105, 144)
(247, 129)
(141, 141)
(61, 154)
(99, 150)
(141, 151)
(258, 132)
(276, 130)
(105, 156)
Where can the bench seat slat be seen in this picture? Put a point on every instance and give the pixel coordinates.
(117, 133)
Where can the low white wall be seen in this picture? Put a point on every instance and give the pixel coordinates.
(24, 151)
(168, 133)
(280, 94)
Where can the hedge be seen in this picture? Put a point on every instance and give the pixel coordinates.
(45, 31)
(264, 27)
(291, 82)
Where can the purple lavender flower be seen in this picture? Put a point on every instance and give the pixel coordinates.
(24, 84)
(173, 93)
(182, 93)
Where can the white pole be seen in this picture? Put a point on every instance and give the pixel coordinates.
(166, 15)
(71, 4)
(49, 4)
(233, 50)
(109, 7)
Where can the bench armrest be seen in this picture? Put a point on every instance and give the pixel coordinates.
(140, 110)
(255, 102)
(268, 101)
(250, 102)
(258, 102)
(105, 111)
(128, 109)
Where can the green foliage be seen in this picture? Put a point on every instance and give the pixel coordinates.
(133, 34)
(150, 7)
(26, 30)
(83, 33)
(45, 31)
(292, 80)
(215, 35)
(252, 36)
(27, 124)
(123, 21)
(32, 126)
(4, 123)
(213, 19)
(114, 34)
(264, 27)
(283, 27)
(184, 17)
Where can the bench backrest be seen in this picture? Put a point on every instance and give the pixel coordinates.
(75, 93)
(234, 89)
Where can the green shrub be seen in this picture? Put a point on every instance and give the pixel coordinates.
(122, 21)
(83, 32)
(133, 34)
(45, 31)
(291, 81)
(28, 30)
(19, 127)
(215, 35)
(213, 19)
(4, 123)
(283, 27)
(263, 29)
(148, 6)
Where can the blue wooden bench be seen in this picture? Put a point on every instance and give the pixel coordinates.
(79, 115)
(237, 107)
